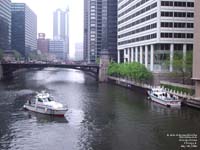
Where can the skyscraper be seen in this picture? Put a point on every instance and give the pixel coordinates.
(196, 54)
(151, 31)
(5, 24)
(61, 28)
(85, 32)
(100, 28)
(24, 29)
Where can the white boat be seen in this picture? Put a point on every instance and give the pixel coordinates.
(160, 96)
(43, 103)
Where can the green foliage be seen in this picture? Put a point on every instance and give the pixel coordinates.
(33, 55)
(98, 61)
(17, 55)
(181, 65)
(178, 89)
(135, 71)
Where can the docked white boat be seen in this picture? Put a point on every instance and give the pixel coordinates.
(43, 103)
(160, 96)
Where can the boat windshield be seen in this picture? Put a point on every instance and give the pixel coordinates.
(50, 99)
(47, 99)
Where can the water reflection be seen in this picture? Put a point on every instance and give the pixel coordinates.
(99, 116)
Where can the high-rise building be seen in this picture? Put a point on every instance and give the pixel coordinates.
(196, 54)
(61, 28)
(79, 51)
(151, 31)
(42, 43)
(5, 24)
(24, 29)
(100, 28)
(85, 32)
(57, 48)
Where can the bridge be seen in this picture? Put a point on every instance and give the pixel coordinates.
(9, 68)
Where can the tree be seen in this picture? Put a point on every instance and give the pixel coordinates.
(17, 55)
(33, 55)
(135, 71)
(181, 65)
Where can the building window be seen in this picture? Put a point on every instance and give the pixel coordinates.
(190, 36)
(166, 35)
(190, 4)
(167, 24)
(190, 15)
(180, 4)
(166, 14)
(166, 3)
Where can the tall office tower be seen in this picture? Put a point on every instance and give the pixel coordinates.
(24, 29)
(61, 28)
(85, 32)
(100, 28)
(150, 31)
(196, 54)
(5, 24)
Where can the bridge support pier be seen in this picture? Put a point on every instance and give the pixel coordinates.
(103, 66)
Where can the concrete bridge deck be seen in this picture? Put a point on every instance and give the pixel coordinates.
(6, 69)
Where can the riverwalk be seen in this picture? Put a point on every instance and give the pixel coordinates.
(185, 98)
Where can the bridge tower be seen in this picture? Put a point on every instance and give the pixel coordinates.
(103, 66)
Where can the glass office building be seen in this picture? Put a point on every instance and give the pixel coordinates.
(100, 28)
(5, 24)
(24, 29)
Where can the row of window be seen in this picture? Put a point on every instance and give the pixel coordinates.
(177, 14)
(148, 27)
(177, 4)
(135, 6)
(177, 25)
(142, 38)
(131, 9)
(149, 17)
(177, 35)
(138, 12)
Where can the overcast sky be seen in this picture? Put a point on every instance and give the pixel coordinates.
(44, 10)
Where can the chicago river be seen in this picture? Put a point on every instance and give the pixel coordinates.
(100, 116)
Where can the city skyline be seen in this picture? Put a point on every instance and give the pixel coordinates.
(46, 25)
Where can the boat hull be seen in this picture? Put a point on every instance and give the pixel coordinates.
(168, 103)
(44, 110)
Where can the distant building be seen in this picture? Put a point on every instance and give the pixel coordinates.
(24, 29)
(57, 48)
(5, 24)
(79, 51)
(61, 28)
(42, 43)
(150, 32)
(100, 28)
(86, 31)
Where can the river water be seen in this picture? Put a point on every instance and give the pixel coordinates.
(99, 117)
